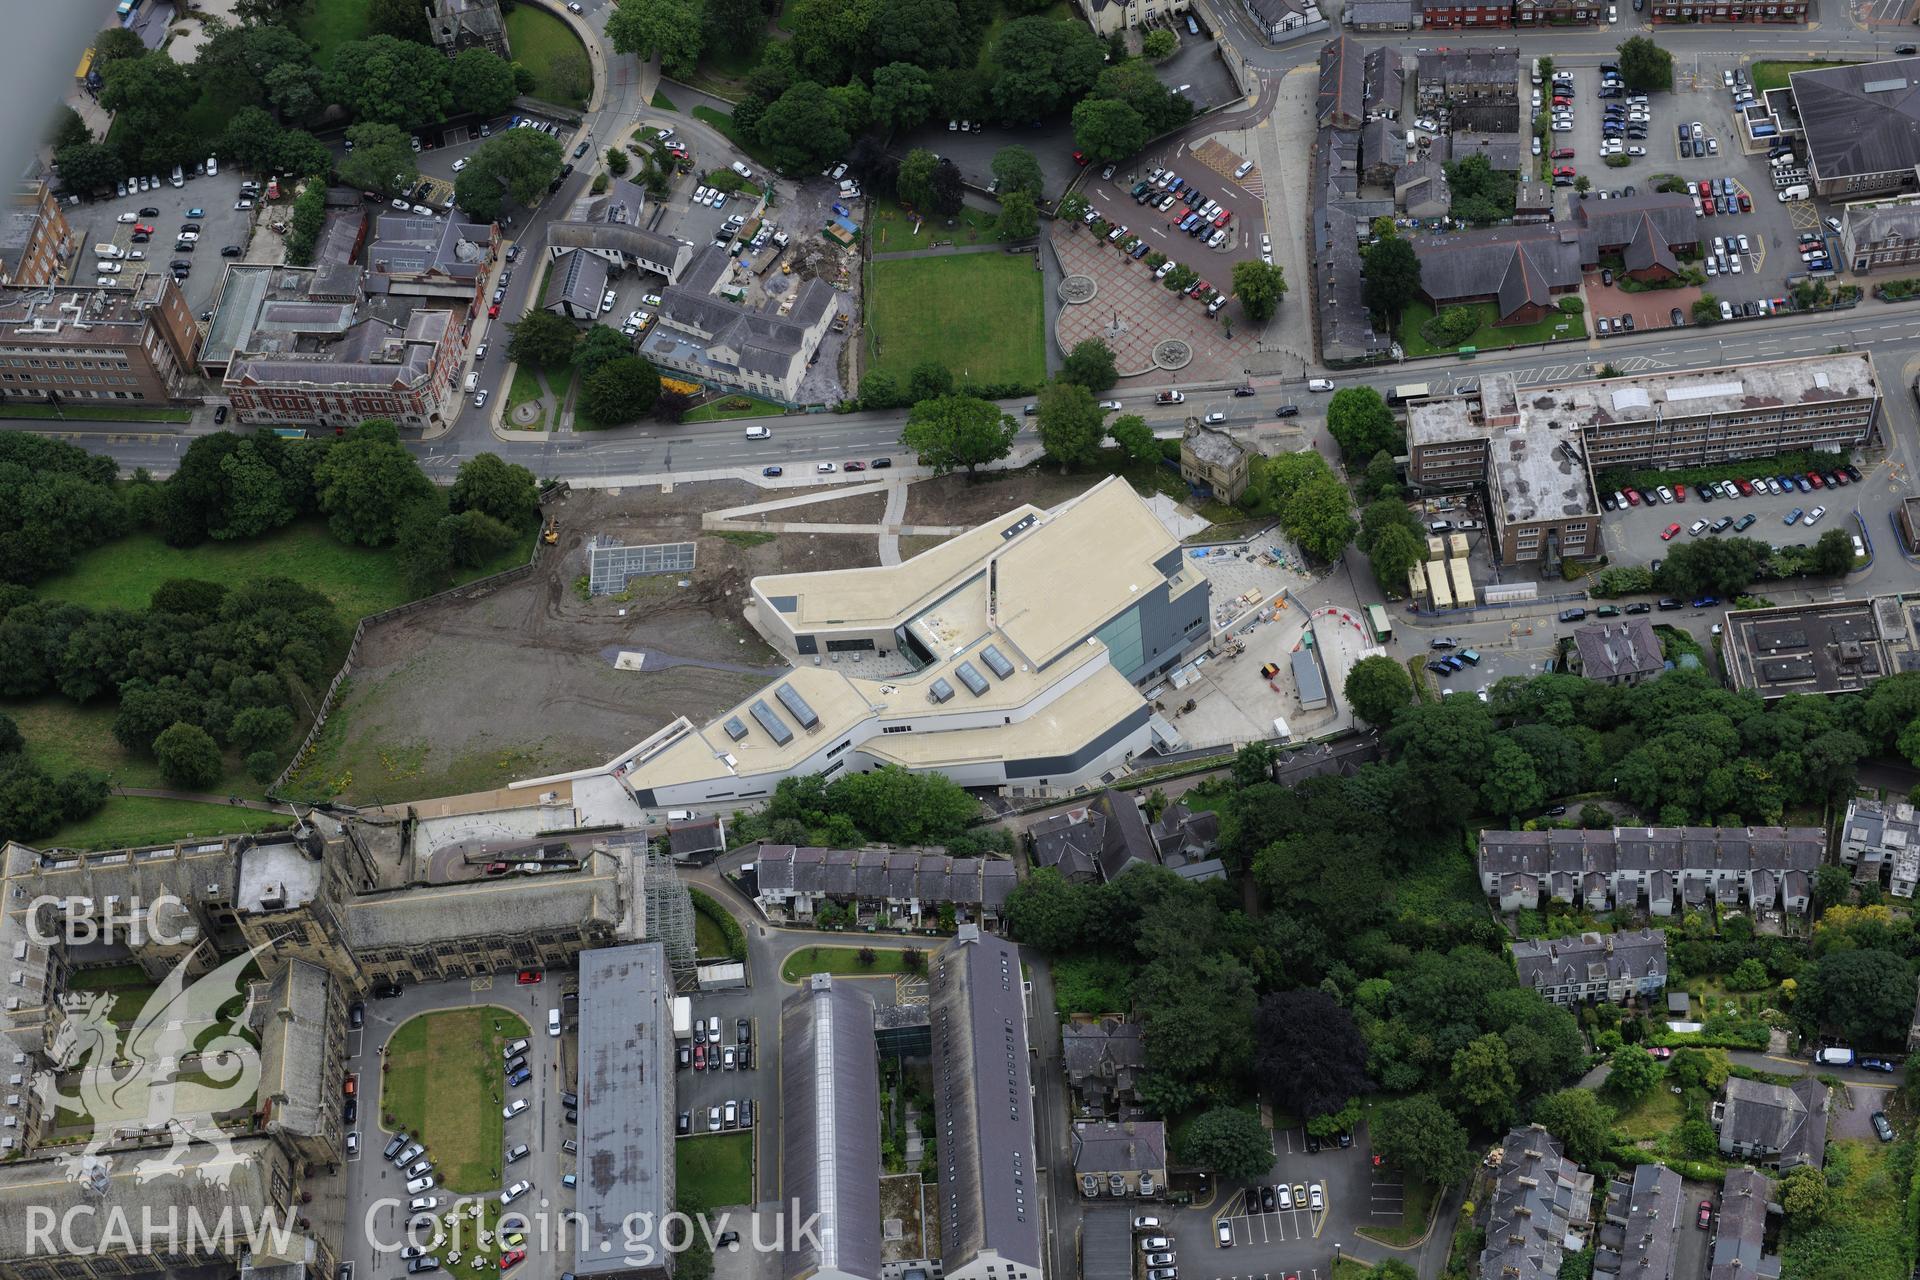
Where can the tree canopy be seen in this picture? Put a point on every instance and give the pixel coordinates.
(951, 431)
(517, 164)
(1359, 419)
(1071, 425)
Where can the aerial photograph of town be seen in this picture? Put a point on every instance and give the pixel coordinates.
(960, 640)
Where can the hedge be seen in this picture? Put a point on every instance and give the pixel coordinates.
(1795, 463)
(729, 927)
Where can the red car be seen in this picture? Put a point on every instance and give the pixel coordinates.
(700, 1057)
(529, 977)
(140, 228)
(350, 1086)
(1661, 1052)
(1746, 203)
(1706, 188)
(1563, 171)
(1223, 219)
(853, 466)
(1668, 535)
(493, 311)
(1706, 1214)
(495, 869)
(1679, 493)
(1813, 478)
(1633, 497)
(512, 1257)
(1746, 490)
(1563, 153)
(1078, 158)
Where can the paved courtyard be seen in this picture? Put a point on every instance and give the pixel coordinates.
(1147, 313)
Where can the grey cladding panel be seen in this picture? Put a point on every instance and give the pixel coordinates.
(796, 706)
(997, 660)
(773, 724)
(971, 677)
(785, 604)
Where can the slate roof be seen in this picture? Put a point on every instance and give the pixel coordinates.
(1382, 143)
(830, 1128)
(1612, 224)
(1861, 119)
(872, 875)
(1384, 70)
(1618, 647)
(1119, 1146)
(1539, 1197)
(1741, 1229)
(1648, 248)
(1460, 68)
(337, 344)
(704, 835)
(1109, 831)
(1342, 95)
(1896, 222)
(556, 901)
(1323, 759)
(1102, 1059)
(1643, 1217)
(1504, 151)
(1106, 1240)
(626, 1069)
(1518, 265)
(404, 246)
(1591, 957)
(578, 281)
(293, 1048)
(766, 341)
(1784, 1121)
(983, 1103)
(1684, 851)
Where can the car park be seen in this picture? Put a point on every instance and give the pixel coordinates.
(1882, 1127)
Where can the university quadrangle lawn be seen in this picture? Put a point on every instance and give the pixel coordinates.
(979, 314)
(443, 1085)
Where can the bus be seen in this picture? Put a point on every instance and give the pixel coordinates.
(1408, 391)
(1378, 624)
(127, 7)
(86, 65)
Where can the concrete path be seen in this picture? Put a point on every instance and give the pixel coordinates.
(197, 797)
(890, 521)
(878, 530)
(783, 504)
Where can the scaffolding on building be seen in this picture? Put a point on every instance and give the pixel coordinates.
(669, 912)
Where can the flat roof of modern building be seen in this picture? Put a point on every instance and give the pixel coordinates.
(1862, 118)
(1770, 384)
(626, 1094)
(830, 1128)
(1834, 646)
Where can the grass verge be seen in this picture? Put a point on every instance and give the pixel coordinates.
(83, 413)
(979, 314)
(734, 407)
(841, 961)
(526, 387)
(328, 24)
(539, 40)
(1773, 75)
(745, 538)
(441, 1083)
(661, 102)
(1415, 1218)
(894, 230)
(125, 821)
(715, 1169)
(1557, 327)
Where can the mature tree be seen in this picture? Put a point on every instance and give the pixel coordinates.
(150, 98)
(1135, 83)
(1041, 64)
(259, 728)
(296, 92)
(1319, 516)
(734, 26)
(1632, 1072)
(1017, 170)
(504, 490)
(1107, 130)
(1645, 66)
(1091, 364)
(1832, 886)
(830, 37)
(1867, 996)
(89, 167)
(1259, 286)
(1392, 278)
(482, 82)
(1363, 425)
(949, 189)
(1132, 433)
(1381, 479)
(1310, 1056)
(381, 159)
(1512, 785)
(400, 19)
(257, 65)
(1377, 688)
(1710, 566)
(519, 163)
(915, 181)
(894, 806)
(1419, 1136)
(1159, 44)
(902, 95)
(188, 757)
(927, 33)
(1045, 911)
(803, 127)
(1483, 1084)
(929, 380)
(620, 390)
(393, 81)
(1582, 1122)
(1832, 553)
(670, 28)
(958, 431)
(541, 337)
(366, 481)
(1071, 424)
(66, 128)
(598, 345)
(1393, 554)
(1805, 1197)
(308, 221)
(1019, 219)
(1230, 1141)
(1480, 192)
(115, 43)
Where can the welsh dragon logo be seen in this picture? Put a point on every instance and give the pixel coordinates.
(134, 1085)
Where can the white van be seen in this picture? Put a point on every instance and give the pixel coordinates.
(1799, 192)
(108, 251)
(742, 170)
(759, 433)
(1319, 384)
(473, 381)
(679, 815)
(553, 1022)
(1834, 1057)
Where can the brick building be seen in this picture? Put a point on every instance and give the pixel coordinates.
(35, 239)
(133, 342)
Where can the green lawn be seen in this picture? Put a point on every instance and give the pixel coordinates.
(1489, 336)
(708, 941)
(715, 1169)
(735, 406)
(1652, 1116)
(722, 121)
(892, 229)
(843, 961)
(1773, 75)
(88, 412)
(442, 1084)
(1416, 1207)
(661, 102)
(980, 314)
(328, 24)
(107, 976)
(537, 38)
(136, 820)
(525, 387)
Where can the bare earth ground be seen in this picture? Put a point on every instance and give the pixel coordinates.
(861, 508)
(471, 694)
(954, 499)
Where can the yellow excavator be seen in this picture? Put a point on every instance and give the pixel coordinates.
(551, 534)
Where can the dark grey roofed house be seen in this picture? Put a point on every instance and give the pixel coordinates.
(1070, 843)
(1120, 1158)
(1593, 966)
(1783, 1125)
(1740, 1232)
(1342, 97)
(983, 1111)
(612, 225)
(1540, 1200)
(1619, 651)
(431, 256)
(626, 1105)
(1185, 834)
(1383, 73)
(1643, 1216)
(1862, 124)
(701, 838)
(457, 25)
(1106, 1241)
(1103, 1061)
(574, 290)
(830, 1129)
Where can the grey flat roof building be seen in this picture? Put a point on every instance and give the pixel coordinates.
(830, 1131)
(626, 1108)
(983, 1111)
